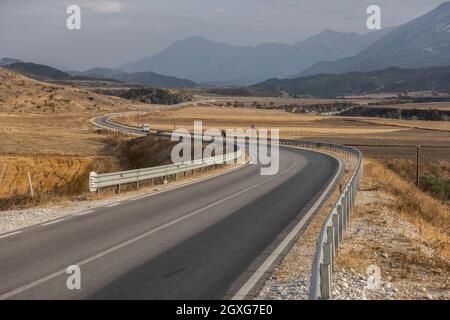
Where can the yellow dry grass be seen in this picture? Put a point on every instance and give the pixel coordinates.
(19, 94)
(289, 124)
(62, 134)
(48, 173)
(430, 216)
(414, 124)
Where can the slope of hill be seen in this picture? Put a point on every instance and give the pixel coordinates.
(140, 78)
(100, 73)
(34, 70)
(8, 61)
(206, 61)
(423, 42)
(19, 94)
(386, 80)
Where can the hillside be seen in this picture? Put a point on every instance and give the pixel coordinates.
(140, 78)
(206, 61)
(149, 95)
(21, 94)
(38, 71)
(423, 42)
(353, 83)
(8, 61)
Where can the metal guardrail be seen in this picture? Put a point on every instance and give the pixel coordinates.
(98, 181)
(331, 233)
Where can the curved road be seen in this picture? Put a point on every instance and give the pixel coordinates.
(199, 241)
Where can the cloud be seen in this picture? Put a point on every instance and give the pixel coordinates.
(103, 6)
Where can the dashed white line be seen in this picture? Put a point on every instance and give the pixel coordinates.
(83, 213)
(10, 234)
(52, 222)
(112, 205)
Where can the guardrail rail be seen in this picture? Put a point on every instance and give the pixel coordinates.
(98, 181)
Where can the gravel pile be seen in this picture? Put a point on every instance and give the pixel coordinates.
(351, 285)
(293, 289)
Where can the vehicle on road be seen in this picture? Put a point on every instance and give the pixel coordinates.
(146, 127)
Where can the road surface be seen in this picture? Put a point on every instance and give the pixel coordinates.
(199, 241)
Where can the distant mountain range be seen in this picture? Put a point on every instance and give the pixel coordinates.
(354, 83)
(206, 61)
(141, 78)
(423, 42)
(38, 71)
(43, 72)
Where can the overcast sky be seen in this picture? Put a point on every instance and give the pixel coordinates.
(116, 31)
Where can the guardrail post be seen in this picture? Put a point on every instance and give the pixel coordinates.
(325, 271)
(341, 221)
(335, 219)
(330, 238)
(92, 186)
(344, 211)
(349, 208)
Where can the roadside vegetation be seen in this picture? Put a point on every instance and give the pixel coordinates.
(57, 178)
(402, 230)
(434, 175)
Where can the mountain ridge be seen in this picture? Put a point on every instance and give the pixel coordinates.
(422, 42)
(392, 79)
(206, 61)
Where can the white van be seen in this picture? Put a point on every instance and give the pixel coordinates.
(146, 127)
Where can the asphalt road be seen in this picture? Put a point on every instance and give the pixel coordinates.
(198, 241)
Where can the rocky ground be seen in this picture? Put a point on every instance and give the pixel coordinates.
(409, 267)
(385, 255)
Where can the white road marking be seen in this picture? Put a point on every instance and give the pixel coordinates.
(137, 238)
(253, 280)
(52, 222)
(83, 213)
(10, 234)
(112, 205)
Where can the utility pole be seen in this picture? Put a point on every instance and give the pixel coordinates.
(418, 167)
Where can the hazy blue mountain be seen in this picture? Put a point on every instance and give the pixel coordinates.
(38, 71)
(101, 73)
(141, 78)
(392, 79)
(423, 42)
(206, 61)
(7, 61)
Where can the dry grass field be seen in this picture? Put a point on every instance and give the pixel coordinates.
(345, 130)
(286, 101)
(414, 124)
(45, 129)
(290, 125)
(19, 94)
(62, 174)
(428, 105)
(49, 123)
